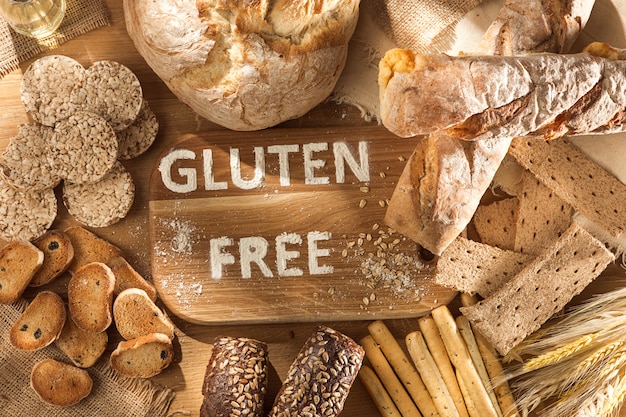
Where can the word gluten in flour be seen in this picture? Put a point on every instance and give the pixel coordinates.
(283, 224)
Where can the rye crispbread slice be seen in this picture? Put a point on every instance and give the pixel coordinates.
(495, 223)
(59, 383)
(477, 268)
(88, 247)
(578, 180)
(542, 217)
(40, 324)
(541, 289)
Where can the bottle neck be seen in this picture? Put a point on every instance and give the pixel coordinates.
(20, 1)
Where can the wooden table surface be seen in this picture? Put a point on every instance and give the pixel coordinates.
(193, 341)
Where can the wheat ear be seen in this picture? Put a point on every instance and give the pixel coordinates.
(560, 353)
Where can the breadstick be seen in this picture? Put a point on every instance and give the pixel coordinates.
(460, 358)
(431, 376)
(471, 408)
(494, 367)
(390, 381)
(401, 364)
(437, 349)
(377, 392)
(468, 335)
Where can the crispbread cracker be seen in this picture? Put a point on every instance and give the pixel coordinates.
(19, 261)
(495, 223)
(477, 268)
(59, 383)
(140, 135)
(58, 254)
(542, 217)
(25, 214)
(90, 297)
(111, 90)
(101, 203)
(83, 148)
(88, 247)
(47, 86)
(25, 160)
(40, 324)
(135, 314)
(81, 347)
(541, 289)
(575, 178)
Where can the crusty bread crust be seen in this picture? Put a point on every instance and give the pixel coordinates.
(245, 65)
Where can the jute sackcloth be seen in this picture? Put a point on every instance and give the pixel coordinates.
(420, 25)
(81, 16)
(111, 396)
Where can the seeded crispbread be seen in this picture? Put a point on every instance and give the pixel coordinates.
(47, 86)
(19, 261)
(140, 135)
(540, 289)
(127, 277)
(101, 203)
(40, 324)
(59, 383)
(81, 347)
(111, 90)
(83, 148)
(143, 357)
(25, 160)
(88, 247)
(26, 214)
(135, 315)
(576, 179)
(58, 255)
(236, 365)
(495, 223)
(90, 297)
(477, 268)
(542, 218)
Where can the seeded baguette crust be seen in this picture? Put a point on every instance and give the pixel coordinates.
(127, 277)
(320, 378)
(235, 379)
(19, 261)
(143, 357)
(81, 347)
(89, 247)
(58, 255)
(40, 324)
(90, 297)
(59, 383)
(135, 315)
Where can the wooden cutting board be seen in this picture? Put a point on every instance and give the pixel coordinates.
(284, 225)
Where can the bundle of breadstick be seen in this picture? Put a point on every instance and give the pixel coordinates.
(449, 370)
(470, 108)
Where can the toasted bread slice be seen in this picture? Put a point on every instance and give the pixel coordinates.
(136, 315)
(81, 347)
(88, 247)
(127, 277)
(59, 383)
(58, 254)
(90, 297)
(19, 261)
(40, 324)
(143, 357)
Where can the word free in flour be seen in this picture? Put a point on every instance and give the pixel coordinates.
(187, 177)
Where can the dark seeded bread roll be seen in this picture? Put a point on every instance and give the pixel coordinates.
(236, 378)
(321, 376)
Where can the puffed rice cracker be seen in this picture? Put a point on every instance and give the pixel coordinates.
(139, 136)
(25, 215)
(83, 148)
(25, 163)
(47, 87)
(103, 203)
(111, 90)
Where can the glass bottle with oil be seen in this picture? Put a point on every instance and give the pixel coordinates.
(34, 18)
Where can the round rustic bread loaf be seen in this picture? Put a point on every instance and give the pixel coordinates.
(245, 65)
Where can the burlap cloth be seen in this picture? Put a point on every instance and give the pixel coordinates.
(81, 16)
(111, 395)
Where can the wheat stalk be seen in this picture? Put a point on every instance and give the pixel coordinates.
(560, 353)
